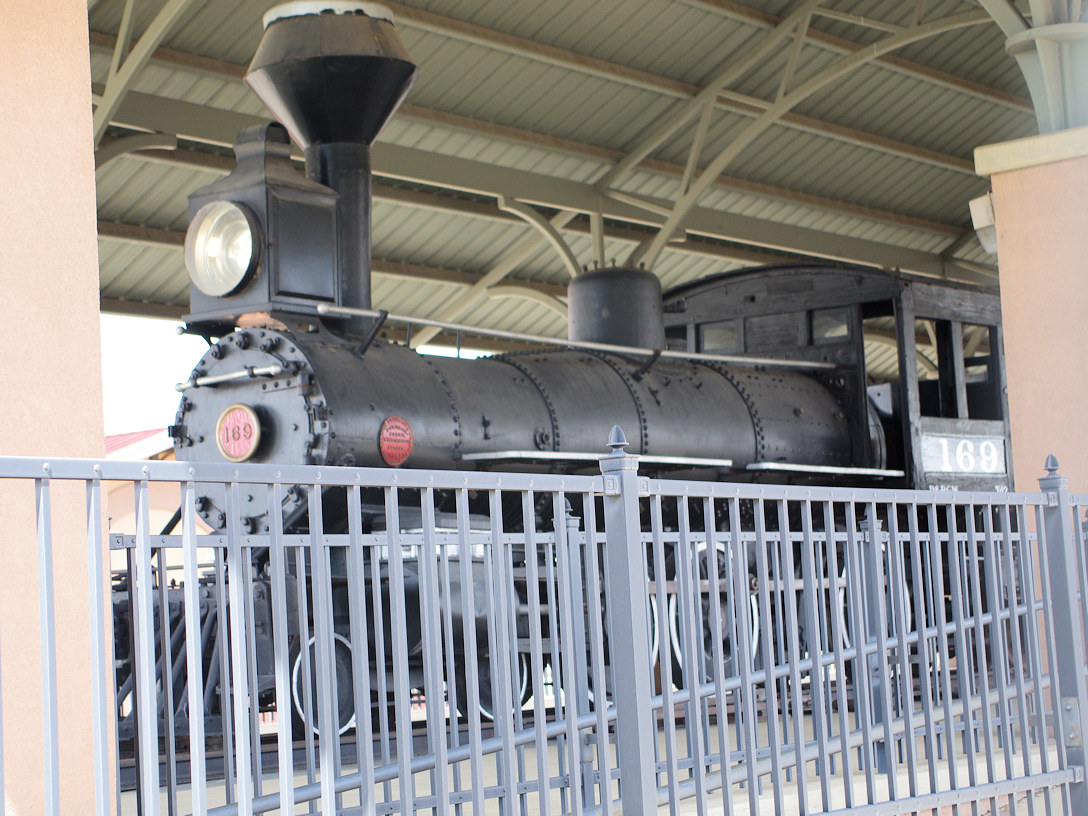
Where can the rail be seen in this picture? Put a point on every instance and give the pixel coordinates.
(346, 640)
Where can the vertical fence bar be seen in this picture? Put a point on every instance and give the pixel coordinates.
(249, 592)
(446, 607)
(194, 658)
(863, 687)
(277, 558)
(166, 696)
(577, 601)
(793, 701)
(360, 650)
(143, 663)
(1069, 661)
(839, 634)
(472, 663)
(328, 717)
(598, 670)
(431, 632)
(668, 707)
(537, 650)
(239, 669)
(769, 645)
(813, 604)
(559, 681)
(51, 803)
(382, 692)
(999, 658)
(748, 735)
(921, 625)
(688, 601)
(504, 644)
(717, 625)
(222, 656)
(99, 657)
(877, 664)
(974, 578)
(897, 587)
(572, 647)
(402, 686)
(305, 695)
(636, 737)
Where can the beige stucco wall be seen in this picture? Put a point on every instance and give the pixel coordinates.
(1042, 231)
(51, 401)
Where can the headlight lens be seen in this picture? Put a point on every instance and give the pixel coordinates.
(221, 248)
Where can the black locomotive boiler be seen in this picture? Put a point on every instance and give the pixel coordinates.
(818, 373)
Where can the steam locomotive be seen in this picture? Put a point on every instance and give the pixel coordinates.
(821, 373)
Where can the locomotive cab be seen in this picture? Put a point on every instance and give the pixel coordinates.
(922, 360)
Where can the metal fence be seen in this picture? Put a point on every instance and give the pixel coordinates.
(412, 641)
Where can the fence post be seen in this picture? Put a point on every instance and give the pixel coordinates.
(1061, 559)
(628, 610)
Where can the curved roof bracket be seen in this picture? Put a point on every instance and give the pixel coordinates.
(517, 254)
(526, 293)
(545, 227)
(127, 144)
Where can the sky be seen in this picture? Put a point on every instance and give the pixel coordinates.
(142, 360)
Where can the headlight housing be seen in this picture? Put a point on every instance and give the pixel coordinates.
(222, 248)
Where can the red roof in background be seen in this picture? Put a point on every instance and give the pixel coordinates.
(120, 441)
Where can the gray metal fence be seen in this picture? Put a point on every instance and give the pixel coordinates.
(413, 641)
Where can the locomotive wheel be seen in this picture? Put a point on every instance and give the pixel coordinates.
(345, 691)
(487, 696)
(706, 635)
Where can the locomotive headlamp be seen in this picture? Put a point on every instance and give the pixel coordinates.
(222, 248)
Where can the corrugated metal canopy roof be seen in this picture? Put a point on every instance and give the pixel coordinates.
(540, 102)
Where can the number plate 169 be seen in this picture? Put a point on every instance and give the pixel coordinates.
(963, 454)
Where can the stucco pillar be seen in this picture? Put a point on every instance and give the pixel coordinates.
(1040, 195)
(51, 402)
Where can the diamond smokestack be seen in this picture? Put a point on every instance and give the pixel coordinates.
(334, 72)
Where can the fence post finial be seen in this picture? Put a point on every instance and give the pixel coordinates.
(1051, 465)
(616, 440)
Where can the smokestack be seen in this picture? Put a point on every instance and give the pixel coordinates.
(334, 72)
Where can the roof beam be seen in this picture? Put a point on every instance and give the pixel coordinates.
(467, 32)
(156, 236)
(732, 101)
(468, 207)
(841, 45)
(475, 127)
(215, 126)
(462, 174)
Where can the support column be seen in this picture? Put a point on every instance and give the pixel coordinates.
(51, 402)
(1040, 193)
(1040, 196)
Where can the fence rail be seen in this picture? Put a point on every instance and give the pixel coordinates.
(334, 640)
